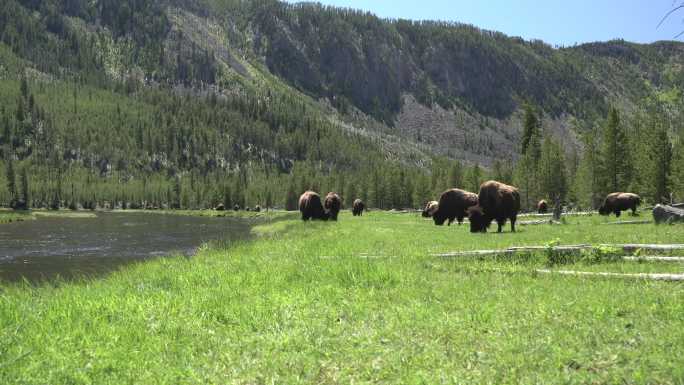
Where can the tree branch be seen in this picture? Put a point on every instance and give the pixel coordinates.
(675, 9)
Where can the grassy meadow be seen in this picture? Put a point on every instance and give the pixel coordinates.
(358, 301)
(7, 216)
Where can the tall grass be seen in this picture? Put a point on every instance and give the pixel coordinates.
(357, 301)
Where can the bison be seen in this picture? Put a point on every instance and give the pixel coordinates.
(497, 201)
(257, 209)
(236, 208)
(311, 207)
(333, 204)
(542, 207)
(430, 209)
(357, 207)
(453, 204)
(618, 202)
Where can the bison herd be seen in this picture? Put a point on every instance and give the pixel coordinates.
(312, 208)
(495, 201)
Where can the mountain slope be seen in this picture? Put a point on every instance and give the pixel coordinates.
(261, 94)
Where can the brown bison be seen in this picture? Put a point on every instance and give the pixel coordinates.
(430, 209)
(498, 202)
(357, 207)
(618, 202)
(542, 207)
(333, 204)
(311, 207)
(453, 204)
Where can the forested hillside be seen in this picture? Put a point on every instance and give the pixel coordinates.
(199, 102)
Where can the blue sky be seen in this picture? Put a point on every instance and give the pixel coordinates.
(556, 22)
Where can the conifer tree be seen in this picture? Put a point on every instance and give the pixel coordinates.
(25, 198)
(615, 165)
(589, 173)
(677, 175)
(661, 153)
(291, 198)
(11, 182)
(552, 173)
(474, 179)
(455, 175)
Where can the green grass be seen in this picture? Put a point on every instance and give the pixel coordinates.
(304, 303)
(7, 216)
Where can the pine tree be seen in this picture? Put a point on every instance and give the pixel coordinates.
(291, 199)
(474, 179)
(11, 182)
(422, 193)
(661, 152)
(25, 198)
(350, 192)
(23, 87)
(530, 151)
(677, 175)
(227, 197)
(552, 173)
(531, 127)
(615, 170)
(455, 175)
(269, 199)
(177, 190)
(589, 173)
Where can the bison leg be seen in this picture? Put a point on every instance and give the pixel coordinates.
(513, 219)
(460, 220)
(618, 213)
(501, 224)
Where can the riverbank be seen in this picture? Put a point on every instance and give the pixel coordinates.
(362, 300)
(7, 216)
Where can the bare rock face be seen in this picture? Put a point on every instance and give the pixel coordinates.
(663, 214)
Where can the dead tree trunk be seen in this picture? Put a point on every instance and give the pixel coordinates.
(667, 214)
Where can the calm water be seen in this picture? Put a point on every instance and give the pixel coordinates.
(68, 247)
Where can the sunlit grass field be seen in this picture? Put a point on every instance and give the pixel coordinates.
(359, 301)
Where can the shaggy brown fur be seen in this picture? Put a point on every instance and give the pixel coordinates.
(333, 204)
(357, 208)
(453, 204)
(498, 202)
(430, 209)
(618, 202)
(311, 208)
(542, 207)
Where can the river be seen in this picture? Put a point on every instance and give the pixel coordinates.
(51, 247)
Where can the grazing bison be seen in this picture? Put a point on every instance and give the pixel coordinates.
(430, 209)
(497, 201)
(453, 204)
(257, 209)
(236, 208)
(220, 207)
(311, 207)
(333, 204)
(357, 207)
(542, 207)
(618, 202)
